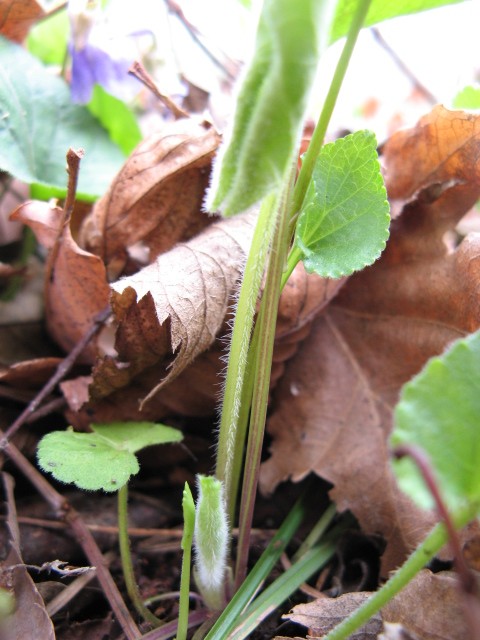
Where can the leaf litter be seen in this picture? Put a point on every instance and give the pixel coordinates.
(344, 348)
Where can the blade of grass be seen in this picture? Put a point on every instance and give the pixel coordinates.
(282, 588)
(228, 619)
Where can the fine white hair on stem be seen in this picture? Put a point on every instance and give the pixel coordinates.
(211, 539)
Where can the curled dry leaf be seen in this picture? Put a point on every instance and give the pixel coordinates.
(333, 408)
(156, 198)
(303, 297)
(76, 289)
(171, 311)
(323, 614)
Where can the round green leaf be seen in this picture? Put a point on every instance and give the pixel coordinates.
(38, 124)
(439, 412)
(86, 459)
(134, 436)
(344, 221)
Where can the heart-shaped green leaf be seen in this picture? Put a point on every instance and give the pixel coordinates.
(343, 224)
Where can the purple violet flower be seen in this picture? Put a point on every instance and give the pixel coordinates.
(96, 56)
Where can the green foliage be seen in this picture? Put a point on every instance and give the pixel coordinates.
(270, 104)
(104, 459)
(343, 224)
(118, 119)
(467, 98)
(48, 39)
(38, 124)
(439, 411)
(7, 603)
(379, 11)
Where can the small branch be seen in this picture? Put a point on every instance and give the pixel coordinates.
(403, 67)
(62, 370)
(138, 71)
(195, 34)
(73, 168)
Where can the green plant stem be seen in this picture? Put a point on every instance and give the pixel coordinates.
(229, 617)
(126, 557)
(237, 360)
(416, 561)
(262, 358)
(317, 532)
(244, 414)
(316, 142)
(318, 136)
(187, 540)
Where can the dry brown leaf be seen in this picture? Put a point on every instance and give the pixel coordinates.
(156, 198)
(171, 311)
(17, 16)
(30, 612)
(429, 607)
(334, 405)
(439, 149)
(77, 289)
(322, 615)
(193, 393)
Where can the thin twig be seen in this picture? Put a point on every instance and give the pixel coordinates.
(63, 368)
(73, 168)
(138, 70)
(195, 34)
(403, 67)
(138, 532)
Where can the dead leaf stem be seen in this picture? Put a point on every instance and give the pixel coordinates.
(73, 167)
(419, 86)
(63, 368)
(138, 71)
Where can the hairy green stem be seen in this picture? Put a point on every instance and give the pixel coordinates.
(244, 413)
(127, 565)
(262, 359)
(416, 561)
(237, 359)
